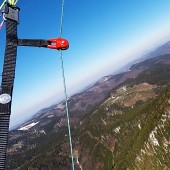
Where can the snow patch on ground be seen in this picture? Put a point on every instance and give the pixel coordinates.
(28, 126)
(117, 130)
(124, 88)
(139, 126)
(104, 122)
(103, 79)
(117, 98)
(42, 131)
(50, 116)
(153, 139)
(60, 106)
(143, 151)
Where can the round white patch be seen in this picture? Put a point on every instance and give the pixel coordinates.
(5, 98)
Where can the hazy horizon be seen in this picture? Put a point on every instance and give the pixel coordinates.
(103, 36)
(56, 100)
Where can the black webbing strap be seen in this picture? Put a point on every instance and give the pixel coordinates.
(4, 125)
(8, 76)
(33, 43)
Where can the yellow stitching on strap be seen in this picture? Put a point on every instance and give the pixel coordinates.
(11, 2)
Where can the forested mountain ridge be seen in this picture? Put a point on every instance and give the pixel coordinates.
(126, 132)
(127, 129)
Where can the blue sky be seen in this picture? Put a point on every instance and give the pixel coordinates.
(103, 36)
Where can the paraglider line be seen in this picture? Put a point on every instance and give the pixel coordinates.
(65, 89)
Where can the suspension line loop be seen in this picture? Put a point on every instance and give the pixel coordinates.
(16, 2)
(2, 4)
(2, 24)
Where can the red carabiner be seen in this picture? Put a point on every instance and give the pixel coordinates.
(58, 44)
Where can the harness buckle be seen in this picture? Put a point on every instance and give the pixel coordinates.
(58, 43)
(11, 12)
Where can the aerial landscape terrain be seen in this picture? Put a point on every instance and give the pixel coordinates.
(120, 122)
(85, 85)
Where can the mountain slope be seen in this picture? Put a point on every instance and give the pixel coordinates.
(126, 125)
(157, 51)
(161, 50)
(122, 138)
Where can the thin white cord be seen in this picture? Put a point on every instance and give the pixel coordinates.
(67, 112)
(16, 2)
(61, 19)
(65, 89)
(2, 4)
